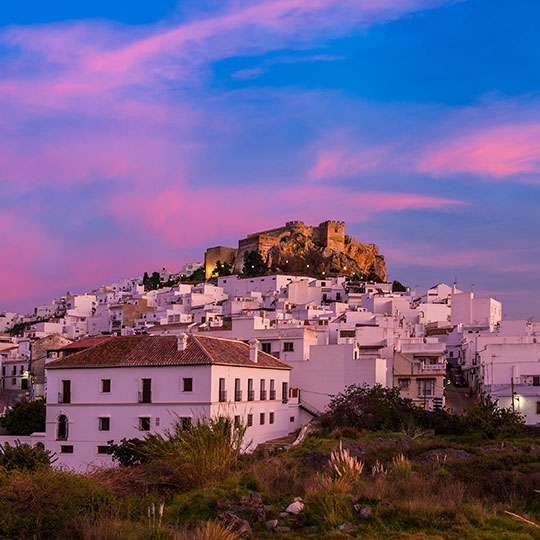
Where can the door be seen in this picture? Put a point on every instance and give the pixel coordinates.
(24, 384)
(146, 391)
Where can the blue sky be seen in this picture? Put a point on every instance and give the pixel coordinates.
(135, 135)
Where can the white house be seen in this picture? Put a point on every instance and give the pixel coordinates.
(128, 386)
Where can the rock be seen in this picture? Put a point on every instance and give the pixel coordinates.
(345, 528)
(241, 526)
(271, 524)
(282, 529)
(223, 503)
(239, 508)
(283, 514)
(256, 498)
(244, 500)
(362, 511)
(267, 507)
(296, 507)
(310, 529)
(534, 449)
(260, 514)
(441, 456)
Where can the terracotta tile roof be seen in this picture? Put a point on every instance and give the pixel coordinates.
(130, 351)
(85, 343)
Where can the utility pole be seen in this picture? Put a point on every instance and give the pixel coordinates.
(512, 386)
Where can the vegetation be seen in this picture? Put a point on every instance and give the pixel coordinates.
(381, 408)
(24, 457)
(193, 482)
(397, 286)
(222, 269)
(25, 418)
(254, 264)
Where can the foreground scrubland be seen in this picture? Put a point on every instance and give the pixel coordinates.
(342, 481)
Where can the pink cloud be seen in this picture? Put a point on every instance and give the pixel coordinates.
(493, 151)
(343, 163)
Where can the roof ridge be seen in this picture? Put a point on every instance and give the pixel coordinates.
(201, 346)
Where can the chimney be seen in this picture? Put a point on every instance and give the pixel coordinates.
(182, 341)
(254, 350)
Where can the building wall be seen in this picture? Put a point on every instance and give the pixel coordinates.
(169, 403)
(332, 234)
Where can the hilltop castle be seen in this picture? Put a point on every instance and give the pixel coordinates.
(292, 247)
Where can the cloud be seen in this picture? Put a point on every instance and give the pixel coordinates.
(498, 151)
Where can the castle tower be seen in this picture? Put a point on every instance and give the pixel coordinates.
(332, 234)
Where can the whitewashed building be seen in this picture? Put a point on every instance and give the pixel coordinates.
(128, 386)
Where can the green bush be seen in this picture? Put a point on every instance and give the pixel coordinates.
(25, 418)
(24, 457)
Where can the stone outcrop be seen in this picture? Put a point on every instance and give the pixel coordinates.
(302, 249)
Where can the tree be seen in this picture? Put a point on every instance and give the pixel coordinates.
(25, 418)
(24, 457)
(222, 269)
(254, 264)
(147, 282)
(398, 287)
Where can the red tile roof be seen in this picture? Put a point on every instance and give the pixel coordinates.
(85, 343)
(130, 351)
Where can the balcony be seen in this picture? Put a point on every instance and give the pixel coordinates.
(251, 395)
(263, 395)
(441, 366)
(145, 397)
(223, 395)
(238, 395)
(64, 398)
(272, 394)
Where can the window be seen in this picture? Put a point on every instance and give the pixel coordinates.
(538, 407)
(288, 346)
(404, 384)
(451, 354)
(105, 385)
(62, 428)
(66, 449)
(236, 421)
(291, 419)
(536, 381)
(144, 423)
(250, 420)
(21, 370)
(104, 423)
(65, 394)
(237, 390)
(145, 395)
(426, 387)
(187, 384)
(266, 347)
(271, 418)
(251, 392)
(14, 370)
(104, 449)
(284, 392)
(222, 391)
(4, 371)
(272, 389)
(262, 396)
(262, 418)
(13, 381)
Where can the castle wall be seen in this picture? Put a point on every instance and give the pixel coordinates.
(215, 254)
(332, 234)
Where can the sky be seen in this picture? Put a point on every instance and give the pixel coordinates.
(135, 134)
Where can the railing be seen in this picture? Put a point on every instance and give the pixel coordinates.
(251, 395)
(433, 367)
(263, 395)
(223, 395)
(64, 398)
(238, 395)
(145, 397)
(272, 394)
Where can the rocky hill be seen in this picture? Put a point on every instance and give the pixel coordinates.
(311, 250)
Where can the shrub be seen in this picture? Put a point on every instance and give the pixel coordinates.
(24, 457)
(25, 418)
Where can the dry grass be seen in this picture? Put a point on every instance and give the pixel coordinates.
(401, 466)
(211, 530)
(345, 465)
(274, 476)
